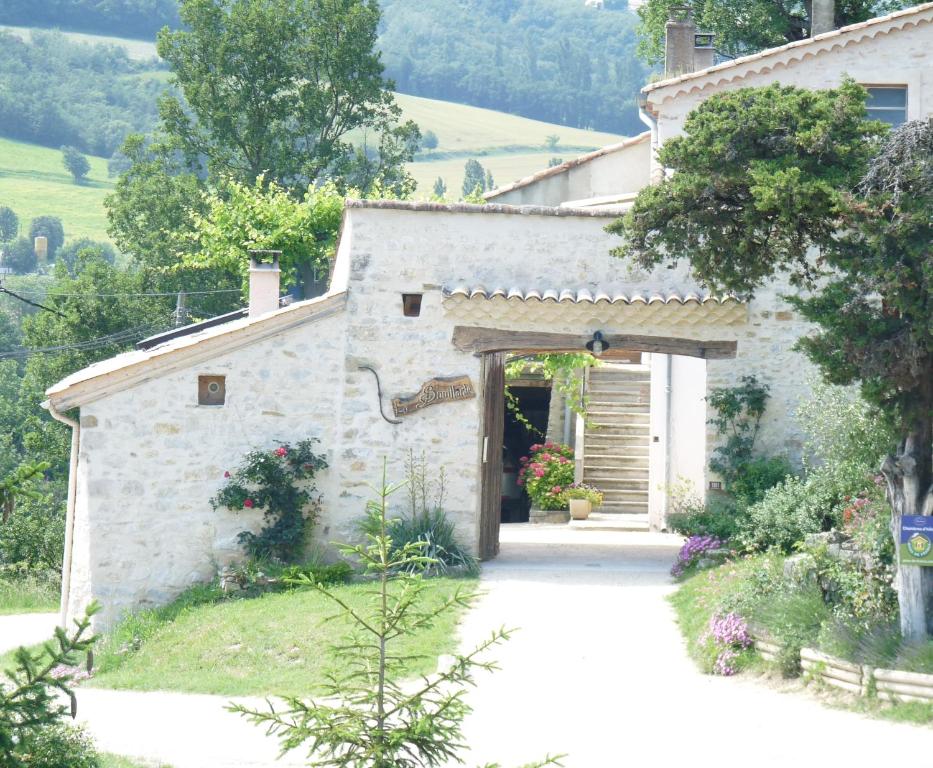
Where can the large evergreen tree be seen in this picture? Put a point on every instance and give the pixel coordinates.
(781, 181)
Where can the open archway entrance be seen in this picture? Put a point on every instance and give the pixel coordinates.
(673, 401)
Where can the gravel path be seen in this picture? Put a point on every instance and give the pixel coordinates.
(597, 670)
(26, 629)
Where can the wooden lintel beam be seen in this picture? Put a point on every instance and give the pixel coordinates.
(483, 340)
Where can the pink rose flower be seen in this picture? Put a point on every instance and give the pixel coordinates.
(248, 504)
(281, 451)
(539, 472)
(546, 457)
(556, 489)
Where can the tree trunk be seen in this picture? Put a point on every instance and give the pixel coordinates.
(909, 477)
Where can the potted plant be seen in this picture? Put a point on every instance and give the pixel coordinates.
(545, 473)
(582, 499)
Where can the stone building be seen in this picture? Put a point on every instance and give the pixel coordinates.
(422, 292)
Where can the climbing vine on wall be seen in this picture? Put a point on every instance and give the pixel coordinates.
(564, 371)
(280, 482)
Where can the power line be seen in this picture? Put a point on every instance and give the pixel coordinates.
(125, 295)
(88, 344)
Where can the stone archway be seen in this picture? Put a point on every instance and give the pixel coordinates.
(493, 344)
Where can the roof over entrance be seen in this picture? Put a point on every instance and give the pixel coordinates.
(481, 305)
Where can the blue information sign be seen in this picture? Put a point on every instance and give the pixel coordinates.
(916, 542)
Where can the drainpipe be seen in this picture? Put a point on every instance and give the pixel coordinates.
(669, 429)
(70, 513)
(655, 174)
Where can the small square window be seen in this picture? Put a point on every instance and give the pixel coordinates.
(887, 103)
(212, 390)
(411, 304)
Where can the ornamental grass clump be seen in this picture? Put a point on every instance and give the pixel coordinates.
(546, 473)
(692, 552)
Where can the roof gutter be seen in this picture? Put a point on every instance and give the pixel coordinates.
(652, 122)
(70, 513)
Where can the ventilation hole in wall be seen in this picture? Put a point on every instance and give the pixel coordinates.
(411, 304)
(212, 390)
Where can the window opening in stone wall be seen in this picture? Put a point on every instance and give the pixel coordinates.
(888, 104)
(411, 304)
(212, 390)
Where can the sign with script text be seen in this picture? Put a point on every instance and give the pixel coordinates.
(433, 392)
(916, 542)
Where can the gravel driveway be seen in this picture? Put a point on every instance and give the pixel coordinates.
(597, 670)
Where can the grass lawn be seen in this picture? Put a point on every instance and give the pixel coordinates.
(276, 643)
(33, 182)
(28, 595)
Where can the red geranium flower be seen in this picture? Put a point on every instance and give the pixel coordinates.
(248, 504)
(281, 451)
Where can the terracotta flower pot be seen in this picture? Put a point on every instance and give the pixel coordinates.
(580, 508)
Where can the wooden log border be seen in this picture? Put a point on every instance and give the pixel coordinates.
(479, 340)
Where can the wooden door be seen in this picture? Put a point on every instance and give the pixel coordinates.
(493, 428)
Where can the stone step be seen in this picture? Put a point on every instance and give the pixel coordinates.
(616, 468)
(629, 447)
(619, 489)
(613, 463)
(642, 431)
(625, 507)
(618, 404)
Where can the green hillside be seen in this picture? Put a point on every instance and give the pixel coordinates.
(33, 182)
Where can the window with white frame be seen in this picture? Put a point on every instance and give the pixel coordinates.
(887, 103)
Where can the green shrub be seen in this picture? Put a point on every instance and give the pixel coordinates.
(756, 476)
(798, 506)
(59, 746)
(718, 517)
(841, 428)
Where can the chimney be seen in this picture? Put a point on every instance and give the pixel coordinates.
(263, 283)
(822, 17)
(685, 49)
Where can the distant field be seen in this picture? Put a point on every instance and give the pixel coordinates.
(140, 50)
(33, 182)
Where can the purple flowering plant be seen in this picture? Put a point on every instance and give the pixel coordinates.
(726, 638)
(690, 553)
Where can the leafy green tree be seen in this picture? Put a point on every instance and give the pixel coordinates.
(367, 718)
(275, 87)
(551, 141)
(20, 256)
(9, 224)
(746, 26)
(75, 163)
(429, 140)
(554, 162)
(150, 218)
(474, 177)
(440, 189)
(68, 255)
(51, 228)
(778, 181)
(240, 218)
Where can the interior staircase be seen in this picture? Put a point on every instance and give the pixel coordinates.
(617, 437)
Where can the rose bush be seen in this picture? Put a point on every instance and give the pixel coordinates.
(280, 482)
(545, 473)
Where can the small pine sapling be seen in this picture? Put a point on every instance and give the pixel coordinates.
(28, 700)
(367, 717)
